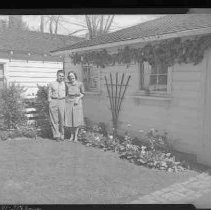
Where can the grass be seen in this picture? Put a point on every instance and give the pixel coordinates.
(49, 172)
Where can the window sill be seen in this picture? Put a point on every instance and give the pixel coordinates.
(152, 96)
(92, 93)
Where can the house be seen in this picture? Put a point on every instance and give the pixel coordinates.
(25, 58)
(169, 60)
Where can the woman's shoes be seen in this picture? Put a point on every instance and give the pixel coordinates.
(76, 139)
(71, 138)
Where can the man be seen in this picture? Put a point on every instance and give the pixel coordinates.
(56, 98)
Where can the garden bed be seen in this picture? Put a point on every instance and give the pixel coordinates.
(152, 151)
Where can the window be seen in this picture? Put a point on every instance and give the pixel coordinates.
(154, 79)
(90, 78)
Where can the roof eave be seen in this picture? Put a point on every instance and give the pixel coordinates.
(191, 32)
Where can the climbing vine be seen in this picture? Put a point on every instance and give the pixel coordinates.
(168, 52)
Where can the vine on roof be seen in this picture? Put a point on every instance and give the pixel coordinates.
(168, 52)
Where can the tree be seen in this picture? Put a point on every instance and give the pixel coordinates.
(42, 23)
(50, 22)
(98, 24)
(92, 25)
(95, 25)
(16, 22)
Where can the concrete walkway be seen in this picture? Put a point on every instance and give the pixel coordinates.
(196, 190)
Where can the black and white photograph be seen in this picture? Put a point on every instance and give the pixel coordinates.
(105, 108)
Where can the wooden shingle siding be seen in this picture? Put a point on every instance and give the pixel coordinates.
(30, 74)
(187, 86)
(192, 76)
(184, 115)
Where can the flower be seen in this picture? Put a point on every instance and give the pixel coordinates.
(168, 154)
(110, 137)
(141, 131)
(143, 148)
(97, 138)
(128, 125)
(152, 129)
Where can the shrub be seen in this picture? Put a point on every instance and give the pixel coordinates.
(42, 108)
(15, 133)
(12, 107)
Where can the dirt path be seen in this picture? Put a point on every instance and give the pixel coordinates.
(48, 172)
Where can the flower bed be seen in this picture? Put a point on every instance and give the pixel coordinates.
(153, 151)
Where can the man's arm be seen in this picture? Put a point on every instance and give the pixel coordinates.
(49, 92)
(81, 94)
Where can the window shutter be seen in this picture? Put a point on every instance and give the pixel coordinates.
(147, 72)
(169, 80)
(141, 84)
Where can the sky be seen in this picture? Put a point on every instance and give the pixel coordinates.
(120, 21)
(68, 25)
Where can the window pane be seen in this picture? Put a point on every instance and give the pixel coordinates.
(154, 69)
(163, 69)
(160, 88)
(153, 79)
(90, 78)
(162, 80)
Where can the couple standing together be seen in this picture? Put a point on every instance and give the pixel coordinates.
(65, 105)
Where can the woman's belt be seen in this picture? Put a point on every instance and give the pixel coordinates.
(57, 98)
(73, 95)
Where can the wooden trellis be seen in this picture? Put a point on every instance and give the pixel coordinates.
(116, 93)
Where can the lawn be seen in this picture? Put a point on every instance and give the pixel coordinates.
(49, 172)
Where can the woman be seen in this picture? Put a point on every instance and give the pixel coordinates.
(73, 107)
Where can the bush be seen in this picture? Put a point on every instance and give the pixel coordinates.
(21, 132)
(42, 108)
(12, 107)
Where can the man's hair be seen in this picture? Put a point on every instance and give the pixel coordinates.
(60, 71)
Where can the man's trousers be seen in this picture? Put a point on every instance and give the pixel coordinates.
(56, 111)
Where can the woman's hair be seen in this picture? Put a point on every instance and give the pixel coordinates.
(71, 72)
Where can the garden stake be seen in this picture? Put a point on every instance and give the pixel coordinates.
(123, 94)
(116, 94)
(112, 95)
(116, 101)
(123, 75)
(109, 95)
(113, 103)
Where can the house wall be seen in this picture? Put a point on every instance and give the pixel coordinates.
(181, 115)
(30, 73)
(205, 137)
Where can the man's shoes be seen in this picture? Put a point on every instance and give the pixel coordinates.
(58, 139)
(62, 138)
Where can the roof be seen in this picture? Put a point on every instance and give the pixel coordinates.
(32, 41)
(167, 24)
